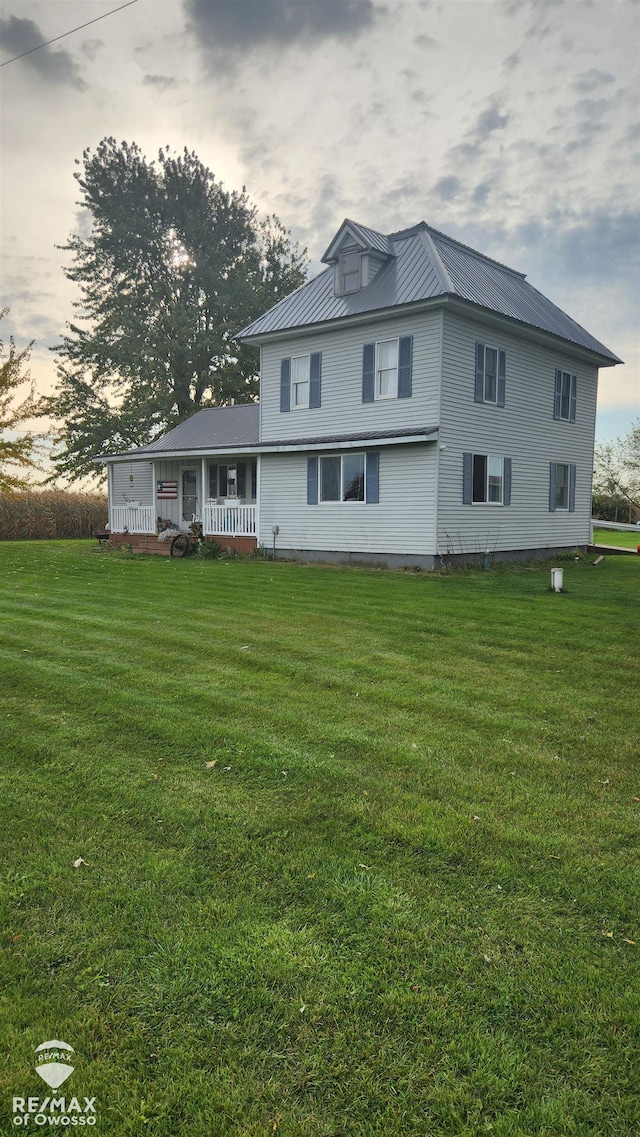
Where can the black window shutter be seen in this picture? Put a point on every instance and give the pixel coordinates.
(285, 385)
(558, 393)
(506, 482)
(312, 481)
(241, 482)
(572, 402)
(467, 478)
(315, 373)
(368, 372)
(213, 480)
(572, 489)
(372, 478)
(405, 367)
(479, 388)
(552, 487)
(502, 377)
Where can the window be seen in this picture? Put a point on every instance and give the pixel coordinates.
(564, 403)
(300, 381)
(343, 477)
(486, 479)
(490, 375)
(387, 369)
(562, 486)
(231, 481)
(350, 269)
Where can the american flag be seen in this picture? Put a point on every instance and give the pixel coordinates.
(166, 490)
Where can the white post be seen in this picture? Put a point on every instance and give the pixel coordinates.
(258, 472)
(557, 579)
(204, 493)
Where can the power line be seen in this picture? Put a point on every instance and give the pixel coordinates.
(70, 32)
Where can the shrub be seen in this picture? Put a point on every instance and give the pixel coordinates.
(51, 513)
(209, 550)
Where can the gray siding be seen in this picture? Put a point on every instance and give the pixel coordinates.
(132, 481)
(524, 430)
(342, 408)
(403, 521)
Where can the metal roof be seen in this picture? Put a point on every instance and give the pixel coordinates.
(210, 428)
(427, 264)
(369, 239)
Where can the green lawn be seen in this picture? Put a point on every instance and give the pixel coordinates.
(361, 847)
(621, 537)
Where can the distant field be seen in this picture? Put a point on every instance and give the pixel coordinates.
(357, 850)
(620, 537)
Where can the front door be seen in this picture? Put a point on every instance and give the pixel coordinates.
(189, 500)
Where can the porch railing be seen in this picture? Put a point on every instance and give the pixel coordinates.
(229, 520)
(127, 519)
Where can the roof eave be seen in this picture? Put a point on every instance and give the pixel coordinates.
(541, 335)
(606, 359)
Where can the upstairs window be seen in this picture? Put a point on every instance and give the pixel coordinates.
(387, 369)
(350, 272)
(300, 381)
(564, 403)
(490, 381)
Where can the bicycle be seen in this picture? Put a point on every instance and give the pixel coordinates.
(184, 544)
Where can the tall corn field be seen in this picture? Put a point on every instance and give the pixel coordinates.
(51, 513)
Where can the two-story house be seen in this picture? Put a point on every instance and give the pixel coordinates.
(417, 400)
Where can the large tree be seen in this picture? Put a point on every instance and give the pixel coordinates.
(17, 454)
(173, 265)
(616, 476)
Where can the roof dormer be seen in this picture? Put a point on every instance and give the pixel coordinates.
(357, 254)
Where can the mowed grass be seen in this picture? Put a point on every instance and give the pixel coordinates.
(624, 538)
(400, 904)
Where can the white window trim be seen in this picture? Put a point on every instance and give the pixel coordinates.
(300, 406)
(562, 508)
(565, 418)
(340, 500)
(349, 253)
(486, 502)
(376, 396)
(491, 402)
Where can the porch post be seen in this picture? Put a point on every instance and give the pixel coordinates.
(153, 497)
(258, 472)
(204, 492)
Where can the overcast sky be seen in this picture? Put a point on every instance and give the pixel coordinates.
(510, 124)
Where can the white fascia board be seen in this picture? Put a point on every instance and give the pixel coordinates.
(183, 455)
(270, 448)
(349, 444)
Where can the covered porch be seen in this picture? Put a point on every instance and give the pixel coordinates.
(147, 498)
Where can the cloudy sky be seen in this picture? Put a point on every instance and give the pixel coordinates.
(510, 124)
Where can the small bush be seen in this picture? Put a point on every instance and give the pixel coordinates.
(209, 550)
(46, 514)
